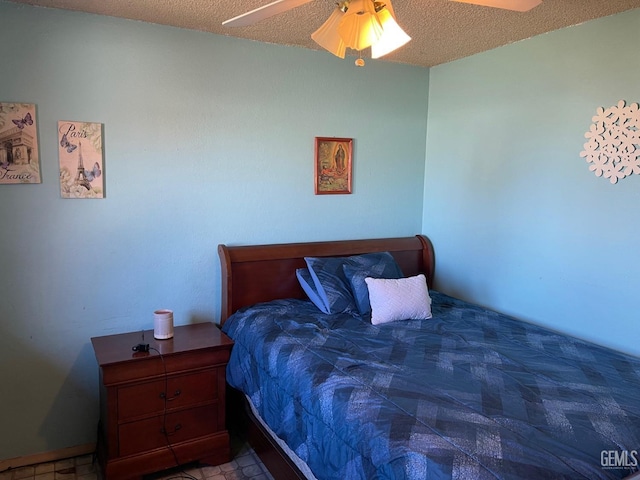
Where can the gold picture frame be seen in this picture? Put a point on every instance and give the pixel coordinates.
(333, 165)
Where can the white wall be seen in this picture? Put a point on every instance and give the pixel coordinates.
(519, 222)
(208, 140)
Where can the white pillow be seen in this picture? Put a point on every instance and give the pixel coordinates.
(398, 299)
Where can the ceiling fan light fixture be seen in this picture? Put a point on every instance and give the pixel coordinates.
(393, 37)
(327, 35)
(360, 27)
(359, 24)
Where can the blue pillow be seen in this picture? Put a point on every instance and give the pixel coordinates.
(309, 287)
(331, 284)
(384, 266)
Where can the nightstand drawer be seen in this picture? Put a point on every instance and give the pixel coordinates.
(180, 390)
(144, 435)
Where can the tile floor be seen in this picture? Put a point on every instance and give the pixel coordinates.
(245, 466)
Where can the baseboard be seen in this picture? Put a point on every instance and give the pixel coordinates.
(45, 457)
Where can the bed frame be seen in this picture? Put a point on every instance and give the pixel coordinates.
(253, 274)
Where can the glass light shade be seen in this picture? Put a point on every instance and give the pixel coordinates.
(360, 27)
(393, 37)
(327, 35)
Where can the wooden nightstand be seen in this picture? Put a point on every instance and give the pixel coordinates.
(165, 407)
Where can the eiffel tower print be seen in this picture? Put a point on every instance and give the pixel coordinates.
(81, 160)
(81, 178)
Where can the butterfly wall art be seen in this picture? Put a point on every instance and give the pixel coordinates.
(81, 159)
(19, 157)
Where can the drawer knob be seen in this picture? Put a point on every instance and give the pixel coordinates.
(175, 430)
(175, 395)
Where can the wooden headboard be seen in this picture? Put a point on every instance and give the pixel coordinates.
(260, 273)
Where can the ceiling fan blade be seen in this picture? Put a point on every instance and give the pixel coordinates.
(266, 11)
(515, 5)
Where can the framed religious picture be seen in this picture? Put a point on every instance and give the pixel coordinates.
(81, 162)
(19, 158)
(333, 165)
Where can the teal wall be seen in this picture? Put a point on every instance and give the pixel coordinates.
(519, 222)
(208, 140)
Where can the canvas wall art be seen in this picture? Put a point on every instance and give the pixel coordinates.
(81, 159)
(19, 159)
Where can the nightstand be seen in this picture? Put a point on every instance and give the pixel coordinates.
(165, 407)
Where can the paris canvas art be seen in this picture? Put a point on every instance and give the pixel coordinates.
(19, 159)
(81, 159)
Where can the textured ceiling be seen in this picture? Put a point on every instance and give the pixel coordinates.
(441, 30)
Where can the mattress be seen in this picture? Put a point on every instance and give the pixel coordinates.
(469, 393)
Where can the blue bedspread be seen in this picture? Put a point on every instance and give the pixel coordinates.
(469, 394)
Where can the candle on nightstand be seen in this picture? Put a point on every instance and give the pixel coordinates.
(163, 324)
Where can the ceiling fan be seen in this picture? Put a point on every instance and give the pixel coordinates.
(359, 24)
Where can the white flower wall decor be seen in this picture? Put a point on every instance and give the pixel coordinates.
(613, 146)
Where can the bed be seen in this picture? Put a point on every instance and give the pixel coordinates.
(467, 393)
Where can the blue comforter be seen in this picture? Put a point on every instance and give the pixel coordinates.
(469, 394)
